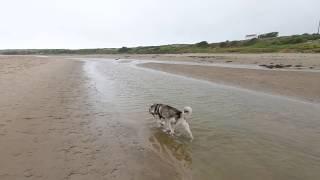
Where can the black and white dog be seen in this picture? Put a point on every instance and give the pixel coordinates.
(171, 117)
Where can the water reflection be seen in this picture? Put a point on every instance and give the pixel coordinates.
(170, 146)
(173, 150)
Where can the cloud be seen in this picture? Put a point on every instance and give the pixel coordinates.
(116, 23)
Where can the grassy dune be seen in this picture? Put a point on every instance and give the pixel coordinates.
(305, 43)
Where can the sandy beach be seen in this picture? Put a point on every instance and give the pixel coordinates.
(58, 122)
(50, 129)
(235, 86)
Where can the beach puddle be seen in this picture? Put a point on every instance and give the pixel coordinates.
(238, 134)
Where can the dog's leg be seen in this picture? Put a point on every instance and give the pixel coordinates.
(170, 129)
(187, 128)
(179, 121)
(170, 126)
(162, 122)
(166, 125)
(159, 123)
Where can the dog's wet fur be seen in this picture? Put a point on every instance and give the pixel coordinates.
(171, 117)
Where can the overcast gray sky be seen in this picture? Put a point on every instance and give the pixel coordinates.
(116, 23)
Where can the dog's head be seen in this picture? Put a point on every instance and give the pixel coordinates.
(152, 109)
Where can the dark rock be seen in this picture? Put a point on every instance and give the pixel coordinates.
(267, 66)
(278, 66)
(271, 66)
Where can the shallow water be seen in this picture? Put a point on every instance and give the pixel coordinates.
(239, 134)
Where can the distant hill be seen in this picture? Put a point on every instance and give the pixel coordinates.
(305, 43)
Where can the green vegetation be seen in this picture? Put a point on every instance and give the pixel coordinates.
(268, 35)
(266, 43)
(203, 44)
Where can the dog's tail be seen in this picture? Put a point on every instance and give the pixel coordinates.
(187, 112)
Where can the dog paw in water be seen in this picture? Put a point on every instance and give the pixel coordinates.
(168, 131)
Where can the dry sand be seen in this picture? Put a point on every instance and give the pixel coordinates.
(51, 129)
(300, 85)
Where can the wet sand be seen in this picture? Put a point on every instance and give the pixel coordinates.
(296, 60)
(51, 127)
